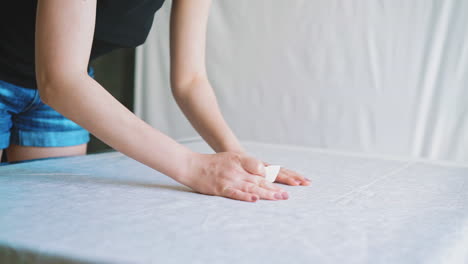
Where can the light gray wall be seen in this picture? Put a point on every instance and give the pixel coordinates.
(387, 77)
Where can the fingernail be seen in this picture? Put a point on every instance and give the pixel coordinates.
(278, 196)
(298, 182)
(285, 195)
(254, 198)
(307, 179)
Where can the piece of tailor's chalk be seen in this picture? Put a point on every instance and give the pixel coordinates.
(271, 172)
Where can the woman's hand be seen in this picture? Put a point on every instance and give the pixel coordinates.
(231, 175)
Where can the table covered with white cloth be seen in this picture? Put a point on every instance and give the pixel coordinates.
(108, 208)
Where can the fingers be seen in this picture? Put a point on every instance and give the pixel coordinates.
(285, 179)
(253, 166)
(270, 186)
(237, 194)
(260, 181)
(252, 188)
(292, 178)
(264, 192)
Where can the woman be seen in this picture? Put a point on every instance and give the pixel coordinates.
(45, 50)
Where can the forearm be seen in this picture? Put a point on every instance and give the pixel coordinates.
(198, 102)
(84, 101)
(194, 95)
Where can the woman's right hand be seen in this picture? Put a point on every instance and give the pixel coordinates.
(232, 175)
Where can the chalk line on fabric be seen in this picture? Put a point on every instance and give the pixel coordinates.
(363, 190)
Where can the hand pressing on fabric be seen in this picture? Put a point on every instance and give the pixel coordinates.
(231, 175)
(290, 177)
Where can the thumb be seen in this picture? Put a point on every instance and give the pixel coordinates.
(253, 166)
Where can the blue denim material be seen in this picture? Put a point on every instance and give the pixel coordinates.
(26, 121)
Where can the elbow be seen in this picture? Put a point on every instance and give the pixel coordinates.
(45, 86)
(52, 87)
(183, 85)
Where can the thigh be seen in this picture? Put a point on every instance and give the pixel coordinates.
(19, 153)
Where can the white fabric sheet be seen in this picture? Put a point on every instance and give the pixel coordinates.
(108, 208)
(387, 77)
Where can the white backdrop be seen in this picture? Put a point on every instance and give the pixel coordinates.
(387, 77)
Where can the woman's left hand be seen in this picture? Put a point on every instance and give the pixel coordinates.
(290, 177)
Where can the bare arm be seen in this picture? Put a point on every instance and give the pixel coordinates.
(190, 85)
(64, 34)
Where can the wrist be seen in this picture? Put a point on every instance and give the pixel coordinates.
(185, 169)
(236, 148)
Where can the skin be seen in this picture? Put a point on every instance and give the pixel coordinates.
(18, 153)
(64, 34)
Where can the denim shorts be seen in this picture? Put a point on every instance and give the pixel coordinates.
(26, 121)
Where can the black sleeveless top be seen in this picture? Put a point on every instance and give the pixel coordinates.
(119, 23)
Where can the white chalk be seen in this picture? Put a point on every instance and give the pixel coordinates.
(271, 172)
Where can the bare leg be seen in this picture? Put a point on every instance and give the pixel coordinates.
(18, 153)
